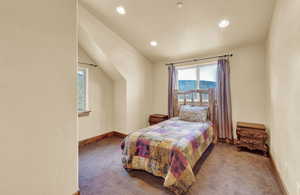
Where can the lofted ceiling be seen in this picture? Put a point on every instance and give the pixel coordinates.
(188, 31)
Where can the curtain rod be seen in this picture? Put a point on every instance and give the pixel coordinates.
(199, 59)
(85, 63)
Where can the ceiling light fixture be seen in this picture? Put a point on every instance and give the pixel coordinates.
(224, 23)
(121, 10)
(179, 4)
(153, 43)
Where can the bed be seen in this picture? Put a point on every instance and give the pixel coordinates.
(171, 149)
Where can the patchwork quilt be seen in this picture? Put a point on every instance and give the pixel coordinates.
(169, 149)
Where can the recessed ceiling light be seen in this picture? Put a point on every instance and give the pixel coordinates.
(179, 4)
(153, 43)
(224, 23)
(121, 10)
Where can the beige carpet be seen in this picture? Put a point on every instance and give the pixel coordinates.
(222, 171)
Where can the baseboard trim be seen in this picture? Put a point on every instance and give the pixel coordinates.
(95, 139)
(77, 193)
(101, 137)
(119, 134)
(277, 176)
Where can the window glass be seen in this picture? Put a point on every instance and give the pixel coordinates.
(199, 77)
(81, 90)
(208, 76)
(187, 79)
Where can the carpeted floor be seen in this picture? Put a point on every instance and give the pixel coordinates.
(222, 171)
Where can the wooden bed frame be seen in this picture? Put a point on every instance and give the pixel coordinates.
(195, 98)
(198, 97)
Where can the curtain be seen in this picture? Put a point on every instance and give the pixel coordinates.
(224, 112)
(171, 90)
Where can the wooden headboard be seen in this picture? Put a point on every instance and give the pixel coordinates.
(196, 98)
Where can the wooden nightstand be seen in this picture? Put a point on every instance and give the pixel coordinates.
(252, 136)
(157, 118)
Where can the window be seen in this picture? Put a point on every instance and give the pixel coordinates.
(82, 101)
(207, 76)
(196, 77)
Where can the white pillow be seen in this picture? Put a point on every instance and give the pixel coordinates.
(193, 113)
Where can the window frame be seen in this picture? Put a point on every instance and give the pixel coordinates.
(86, 110)
(197, 66)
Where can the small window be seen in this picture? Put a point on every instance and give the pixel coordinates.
(196, 77)
(82, 101)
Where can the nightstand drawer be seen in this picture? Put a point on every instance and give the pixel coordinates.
(246, 140)
(251, 133)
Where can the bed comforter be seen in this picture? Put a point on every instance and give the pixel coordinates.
(169, 149)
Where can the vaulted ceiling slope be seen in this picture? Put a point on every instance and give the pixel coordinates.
(130, 71)
(187, 31)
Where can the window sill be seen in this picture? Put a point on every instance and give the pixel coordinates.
(85, 113)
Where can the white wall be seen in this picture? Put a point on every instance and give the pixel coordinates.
(120, 106)
(135, 71)
(284, 89)
(100, 101)
(248, 85)
(38, 117)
